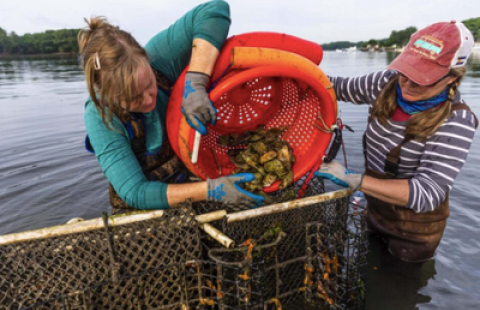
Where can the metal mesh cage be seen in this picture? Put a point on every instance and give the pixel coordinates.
(308, 257)
(319, 260)
(119, 267)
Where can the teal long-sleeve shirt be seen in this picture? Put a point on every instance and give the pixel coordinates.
(169, 52)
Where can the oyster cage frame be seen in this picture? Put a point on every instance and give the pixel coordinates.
(308, 253)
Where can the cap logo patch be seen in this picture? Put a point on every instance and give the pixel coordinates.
(428, 46)
(461, 61)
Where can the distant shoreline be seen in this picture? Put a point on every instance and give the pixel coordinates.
(36, 55)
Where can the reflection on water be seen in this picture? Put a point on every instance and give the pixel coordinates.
(400, 281)
(47, 178)
(16, 69)
(391, 56)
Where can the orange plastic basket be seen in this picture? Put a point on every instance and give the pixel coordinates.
(264, 87)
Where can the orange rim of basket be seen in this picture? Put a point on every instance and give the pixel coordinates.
(250, 57)
(246, 57)
(286, 71)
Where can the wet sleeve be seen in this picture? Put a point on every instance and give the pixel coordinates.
(116, 158)
(170, 50)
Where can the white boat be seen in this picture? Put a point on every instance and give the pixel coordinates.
(346, 50)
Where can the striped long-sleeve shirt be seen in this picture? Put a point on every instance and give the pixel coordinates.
(433, 165)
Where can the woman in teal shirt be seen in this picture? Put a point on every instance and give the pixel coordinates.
(125, 114)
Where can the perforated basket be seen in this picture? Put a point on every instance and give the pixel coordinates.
(263, 87)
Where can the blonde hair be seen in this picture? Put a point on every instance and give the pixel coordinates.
(110, 58)
(423, 124)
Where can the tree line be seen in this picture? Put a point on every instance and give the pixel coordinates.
(48, 42)
(65, 40)
(399, 38)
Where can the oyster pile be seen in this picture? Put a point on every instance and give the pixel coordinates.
(266, 155)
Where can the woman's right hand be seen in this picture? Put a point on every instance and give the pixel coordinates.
(196, 105)
(228, 190)
(339, 175)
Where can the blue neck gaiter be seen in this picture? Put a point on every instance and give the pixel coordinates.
(412, 107)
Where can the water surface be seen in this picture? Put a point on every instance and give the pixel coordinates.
(47, 177)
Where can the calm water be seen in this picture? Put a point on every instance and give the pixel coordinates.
(47, 178)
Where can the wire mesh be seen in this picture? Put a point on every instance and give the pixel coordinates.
(142, 264)
(320, 262)
(312, 257)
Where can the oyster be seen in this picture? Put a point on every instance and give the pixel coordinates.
(265, 155)
(269, 179)
(258, 178)
(239, 159)
(259, 147)
(234, 152)
(284, 154)
(239, 164)
(277, 131)
(276, 146)
(255, 137)
(282, 174)
(286, 181)
(261, 170)
(250, 187)
(251, 159)
(273, 166)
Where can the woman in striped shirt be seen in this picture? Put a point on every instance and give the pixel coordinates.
(417, 139)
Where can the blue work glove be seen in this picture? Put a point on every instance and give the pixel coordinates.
(227, 190)
(335, 172)
(196, 106)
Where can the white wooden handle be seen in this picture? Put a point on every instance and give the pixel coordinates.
(196, 146)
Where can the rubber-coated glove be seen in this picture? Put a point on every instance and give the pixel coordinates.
(227, 190)
(196, 106)
(339, 175)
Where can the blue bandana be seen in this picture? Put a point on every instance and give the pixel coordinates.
(412, 107)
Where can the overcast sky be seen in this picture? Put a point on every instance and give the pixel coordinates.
(317, 20)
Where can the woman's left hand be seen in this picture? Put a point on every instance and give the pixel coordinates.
(339, 175)
(227, 189)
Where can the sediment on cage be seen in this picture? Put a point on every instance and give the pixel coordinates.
(309, 255)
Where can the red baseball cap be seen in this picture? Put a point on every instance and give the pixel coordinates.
(433, 51)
